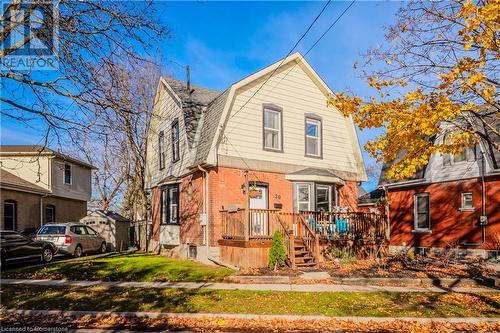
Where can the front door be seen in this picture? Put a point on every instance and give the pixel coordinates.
(259, 219)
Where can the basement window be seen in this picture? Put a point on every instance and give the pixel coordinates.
(467, 201)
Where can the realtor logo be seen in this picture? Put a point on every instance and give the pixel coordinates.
(29, 35)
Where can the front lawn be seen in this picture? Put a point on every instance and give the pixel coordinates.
(380, 304)
(123, 267)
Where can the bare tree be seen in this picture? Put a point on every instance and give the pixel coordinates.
(129, 87)
(105, 152)
(91, 33)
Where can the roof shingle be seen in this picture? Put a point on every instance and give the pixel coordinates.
(7, 178)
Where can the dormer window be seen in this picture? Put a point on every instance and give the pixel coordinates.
(467, 154)
(68, 177)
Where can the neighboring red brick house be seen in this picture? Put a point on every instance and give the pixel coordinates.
(272, 128)
(453, 202)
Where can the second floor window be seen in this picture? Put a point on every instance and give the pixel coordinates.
(313, 137)
(466, 155)
(67, 174)
(272, 129)
(161, 150)
(175, 141)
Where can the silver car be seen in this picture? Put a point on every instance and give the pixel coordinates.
(72, 238)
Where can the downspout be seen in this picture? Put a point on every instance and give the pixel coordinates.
(483, 202)
(205, 205)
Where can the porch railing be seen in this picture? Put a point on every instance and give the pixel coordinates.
(307, 226)
(351, 225)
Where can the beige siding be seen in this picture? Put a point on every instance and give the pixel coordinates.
(294, 91)
(80, 187)
(167, 109)
(34, 169)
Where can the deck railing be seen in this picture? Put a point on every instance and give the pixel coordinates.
(349, 225)
(263, 223)
(307, 226)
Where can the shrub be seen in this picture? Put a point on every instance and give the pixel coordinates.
(277, 253)
(344, 256)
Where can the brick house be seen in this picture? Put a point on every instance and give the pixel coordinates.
(39, 185)
(453, 202)
(267, 143)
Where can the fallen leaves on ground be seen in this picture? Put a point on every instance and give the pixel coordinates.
(399, 266)
(240, 325)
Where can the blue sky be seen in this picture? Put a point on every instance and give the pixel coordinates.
(225, 41)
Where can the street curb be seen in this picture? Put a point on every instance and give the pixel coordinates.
(469, 320)
(249, 287)
(362, 281)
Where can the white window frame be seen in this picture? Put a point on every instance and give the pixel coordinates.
(297, 202)
(329, 199)
(415, 212)
(70, 174)
(316, 122)
(463, 206)
(274, 130)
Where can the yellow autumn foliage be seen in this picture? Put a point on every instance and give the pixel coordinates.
(415, 116)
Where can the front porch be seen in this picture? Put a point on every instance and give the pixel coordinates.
(247, 235)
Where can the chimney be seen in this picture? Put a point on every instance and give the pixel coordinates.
(188, 79)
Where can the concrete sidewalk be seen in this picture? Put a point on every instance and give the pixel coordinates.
(245, 316)
(236, 286)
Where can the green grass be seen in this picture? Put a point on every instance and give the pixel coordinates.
(123, 267)
(258, 302)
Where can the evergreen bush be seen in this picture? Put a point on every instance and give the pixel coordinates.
(277, 253)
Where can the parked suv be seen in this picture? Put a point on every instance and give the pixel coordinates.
(72, 238)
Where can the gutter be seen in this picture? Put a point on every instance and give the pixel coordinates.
(405, 183)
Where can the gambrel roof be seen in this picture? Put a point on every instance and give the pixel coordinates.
(207, 111)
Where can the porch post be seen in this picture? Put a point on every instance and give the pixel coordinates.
(316, 248)
(247, 208)
(291, 248)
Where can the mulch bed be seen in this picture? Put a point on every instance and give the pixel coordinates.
(402, 267)
(285, 271)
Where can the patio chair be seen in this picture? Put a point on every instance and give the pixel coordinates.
(342, 226)
(312, 222)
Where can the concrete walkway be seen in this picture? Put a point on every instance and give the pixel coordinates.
(236, 286)
(245, 316)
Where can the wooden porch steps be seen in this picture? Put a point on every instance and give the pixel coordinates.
(303, 258)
